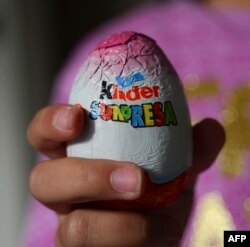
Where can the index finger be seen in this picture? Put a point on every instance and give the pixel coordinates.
(53, 126)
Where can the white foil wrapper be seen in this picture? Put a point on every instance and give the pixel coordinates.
(136, 109)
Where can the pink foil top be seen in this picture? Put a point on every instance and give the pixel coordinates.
(116, 39)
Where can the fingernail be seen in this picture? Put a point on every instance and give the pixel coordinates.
(64, 118)
(126, 179)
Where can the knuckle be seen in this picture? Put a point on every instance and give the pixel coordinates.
(81, 175)
(136, 226)
(74, 230)
(85, 182)
(142, 231)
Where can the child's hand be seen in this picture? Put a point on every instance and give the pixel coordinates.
(67, 184)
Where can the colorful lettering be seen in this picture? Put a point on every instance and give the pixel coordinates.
(117, 115)
(136, 119)
(126, 112)
(170, 117)
(159, 115)
(148, 114)
(106, 111)
(95, 110)
(145, 115)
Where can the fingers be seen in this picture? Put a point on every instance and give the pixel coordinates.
(106, 228)
(209, 138)
(53, 126)
(75, 180)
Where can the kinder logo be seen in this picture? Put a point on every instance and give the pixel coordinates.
(112, 91)
(139, 115)
(236, 238)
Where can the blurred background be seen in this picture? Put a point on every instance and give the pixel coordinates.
(35, 39)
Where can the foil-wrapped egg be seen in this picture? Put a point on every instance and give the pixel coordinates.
(136, 111)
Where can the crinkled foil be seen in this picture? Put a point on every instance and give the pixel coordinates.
(136, 109)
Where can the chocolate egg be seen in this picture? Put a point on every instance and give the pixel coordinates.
(136, 108)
